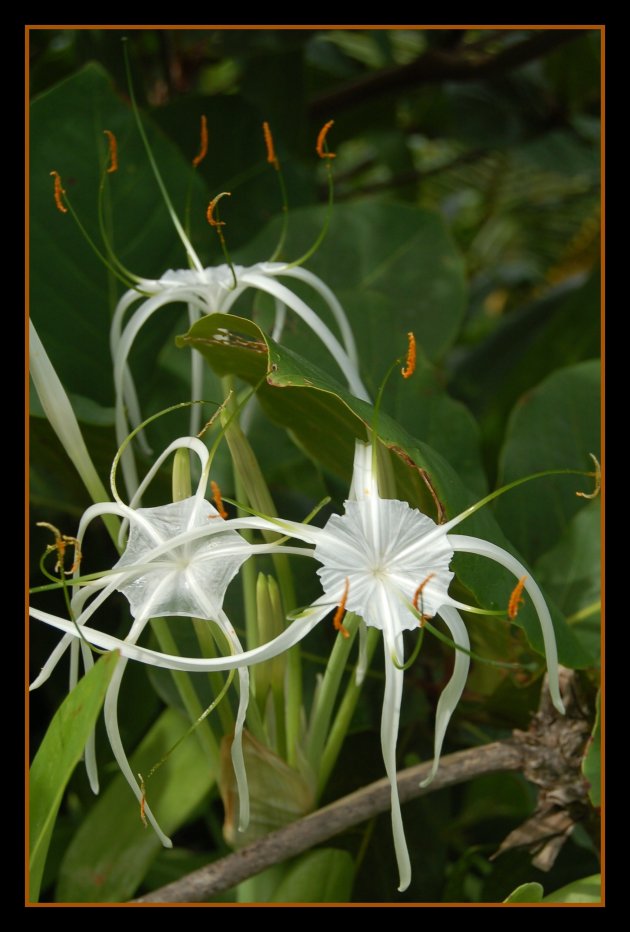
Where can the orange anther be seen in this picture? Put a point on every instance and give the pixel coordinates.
(597, 476)
(515, 598)
(337, 620)
(272, 158)
(417, 595)
(203, 147)
(319, 148)
(218, 501)
(410, 365)
(113, 151)
(58, 193)
(143, 801)
(210, 212)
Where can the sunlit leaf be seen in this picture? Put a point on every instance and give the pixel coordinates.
(587, 890)
(526, 893)
(112, 850)
(58, 755)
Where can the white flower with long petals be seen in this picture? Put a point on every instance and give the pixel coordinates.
(213, 290)
(375, 558)
(179, 560)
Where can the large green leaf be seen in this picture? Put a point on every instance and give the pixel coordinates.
(58, 755)
(571, 574)
(394, 268)
(323, 876)
(112, 850)
(586, 890)
(592, 762)
(325, 419)
(559, 329)
(553, 427)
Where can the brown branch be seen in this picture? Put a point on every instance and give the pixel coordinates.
(441, 65)
(351, 810)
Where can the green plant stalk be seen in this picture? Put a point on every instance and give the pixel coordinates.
(207, 642)
(269, 676)
(252, 489)
(187, 693)
(326, 695)
(341, 724)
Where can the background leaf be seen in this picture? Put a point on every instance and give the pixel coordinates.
(592, 763)
(555, 426)
(110, 855)
(322, 876)
(58, 755)
(526, 893)
(587, 890)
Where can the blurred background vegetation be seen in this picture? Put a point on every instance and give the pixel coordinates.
(498, 131)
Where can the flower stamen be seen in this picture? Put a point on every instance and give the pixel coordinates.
(60, 545)
(597, 475)
(272, 158)
(337, 620)
(218, 501)
(410, 365)
(418, 595)
(59, 192)
(203, 146)
(210, 211)
(319, 148)
(113, 151)
(515, 598)
(143, 801)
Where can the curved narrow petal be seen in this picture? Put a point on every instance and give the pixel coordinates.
(389, 736)
(110, 714)
(238, 760)
(73, 678)
(189, 443)
(453, 690)
(279, 319)
(465, 544)
(90, 746)
(331, 300)
(121, 348)
(330, 341)
(54, 658)
(293, 634)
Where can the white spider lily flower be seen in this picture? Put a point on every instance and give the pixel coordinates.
(214, 290)
(171, 567)
(375, 559)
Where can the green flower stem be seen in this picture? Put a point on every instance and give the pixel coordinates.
(326, 695)
(188, 695)
(343, 718)
(181, 482)
(252, 489)
(206, 636)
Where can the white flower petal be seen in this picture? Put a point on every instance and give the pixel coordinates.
(389, 735)
(464, 544)
(289, 638)
(451, 694)
(202, 565)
